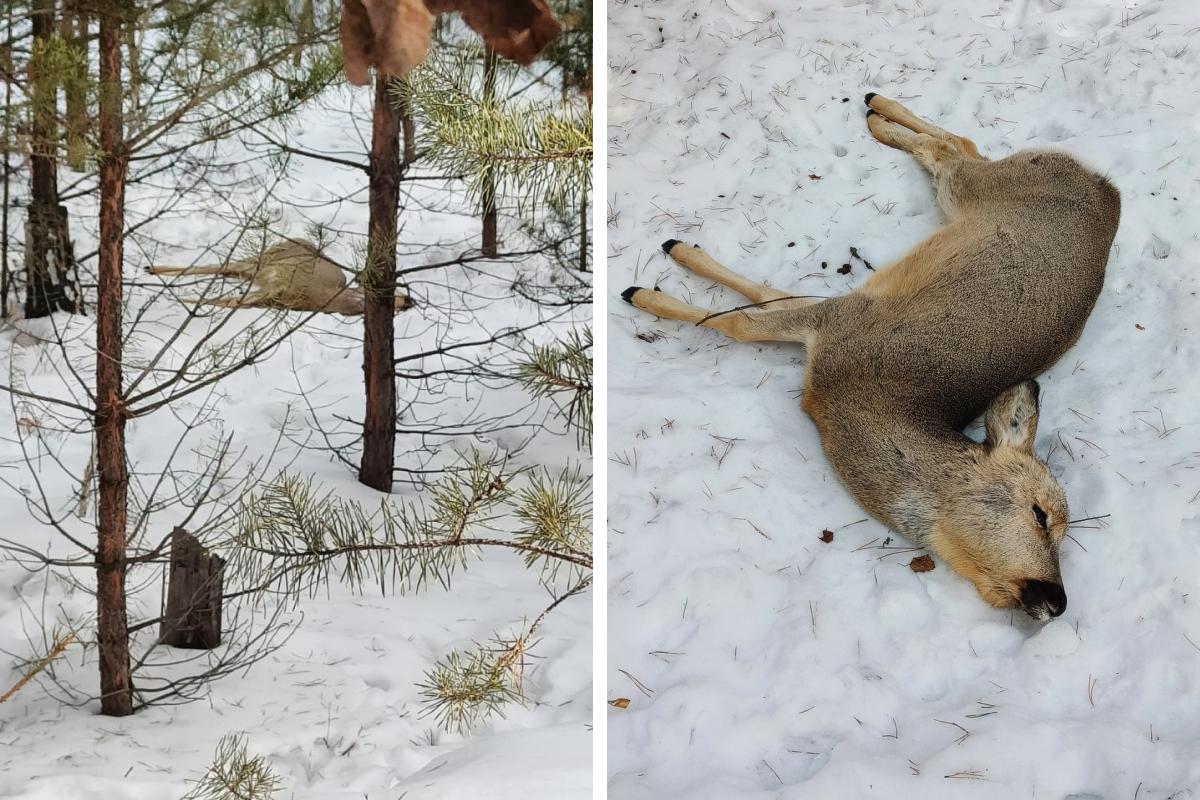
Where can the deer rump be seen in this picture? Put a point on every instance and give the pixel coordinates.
(393, 35)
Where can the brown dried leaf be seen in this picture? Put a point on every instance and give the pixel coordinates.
(405, 35)
(620, 702)
(516, 29)
(358, 42)
(390, 35)
(393, 35)
(921, 564)
(826, 536)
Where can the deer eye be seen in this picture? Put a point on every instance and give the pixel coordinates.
(1041, 517)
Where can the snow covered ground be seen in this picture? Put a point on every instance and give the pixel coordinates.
(759, 660)
(336, 711)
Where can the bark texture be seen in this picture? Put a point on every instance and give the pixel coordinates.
(195, 585)
(489, 243)
(379, 307)
(116, 682)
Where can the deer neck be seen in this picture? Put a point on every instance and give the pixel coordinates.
(348, 301)
(921, 467)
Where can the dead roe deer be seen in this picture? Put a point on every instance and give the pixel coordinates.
(291, 275)
(958, 326)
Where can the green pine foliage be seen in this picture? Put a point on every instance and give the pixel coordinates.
(293, 530)
(563, 372)
(464, 688)
(537, 152)
(65, 66)
(297, 538)
(555, 512)
(236, 775)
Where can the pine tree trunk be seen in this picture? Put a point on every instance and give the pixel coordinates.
(379, 371)
(6, 146)
(488, 243)
(583, 230)
(116, 682)
(47, 255)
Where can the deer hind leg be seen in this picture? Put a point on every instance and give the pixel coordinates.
(248, 300)
(897, 113)
(941, 159)
(694, 259)
(230, 269)
(744, 325)
(160, 270)
(934, 154)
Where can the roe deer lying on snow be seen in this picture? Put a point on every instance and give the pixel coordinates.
(962, 323)
(291, 275)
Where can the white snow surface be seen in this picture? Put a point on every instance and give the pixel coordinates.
(336, 711)
(761, 662)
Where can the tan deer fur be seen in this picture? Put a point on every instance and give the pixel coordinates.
(958, 326)
(291, 275)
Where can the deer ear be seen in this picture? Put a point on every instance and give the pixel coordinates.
(1012, 418)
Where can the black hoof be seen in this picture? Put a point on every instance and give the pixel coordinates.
(668, 244)
(871, 111)
(627, 295)
(868, 97)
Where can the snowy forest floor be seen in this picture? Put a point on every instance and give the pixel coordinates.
(761, 661)
(336, 711)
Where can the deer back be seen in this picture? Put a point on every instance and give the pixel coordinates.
(1018, 270)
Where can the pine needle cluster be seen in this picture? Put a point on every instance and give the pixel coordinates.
(563, 371)
(236, 775)
(555, 514)
(535, 151)
(466, 687)
(295, 538)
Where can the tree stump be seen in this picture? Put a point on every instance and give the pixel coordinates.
(52, 282)
(195, 584)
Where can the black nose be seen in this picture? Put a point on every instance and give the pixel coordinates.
(1044, 597)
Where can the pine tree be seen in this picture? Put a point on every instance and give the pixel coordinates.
(154, 107)
(534, 141)
(116, 683)
(533, 153)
